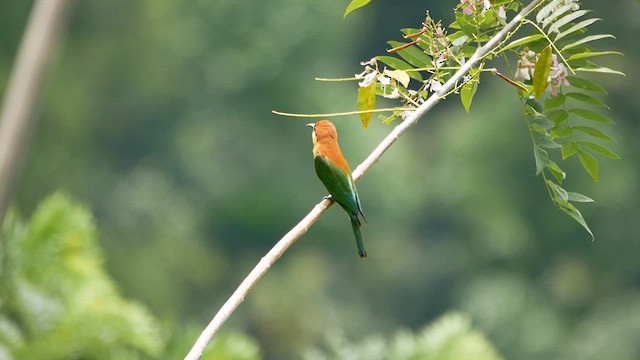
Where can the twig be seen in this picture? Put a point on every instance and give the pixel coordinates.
(28, 70)
(301, 228)
(338, 113)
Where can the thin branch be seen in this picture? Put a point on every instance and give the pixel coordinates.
(339, 113)
(22, 91)
(301, 228)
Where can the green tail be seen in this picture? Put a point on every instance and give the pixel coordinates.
(355, 223)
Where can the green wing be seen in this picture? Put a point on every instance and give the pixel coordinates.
(340, 185)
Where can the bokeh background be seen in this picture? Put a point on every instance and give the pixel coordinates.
(156, 116)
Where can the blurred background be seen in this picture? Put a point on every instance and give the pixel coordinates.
(156, 117)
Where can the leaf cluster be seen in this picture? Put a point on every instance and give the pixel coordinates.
(551, 55)
(57, 302)
(560, 119)
(449, 337)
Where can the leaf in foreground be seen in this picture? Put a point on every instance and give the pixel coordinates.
(577, 216)
(366, 102)
(355, 4)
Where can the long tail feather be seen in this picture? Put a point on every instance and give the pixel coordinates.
(355, 224)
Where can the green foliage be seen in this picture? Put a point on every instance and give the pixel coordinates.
(366, 101)
(57, 300)
(59, 303)
(542, 71)
(226, 346)
(547, 57)
(451, 337)
(355, 4)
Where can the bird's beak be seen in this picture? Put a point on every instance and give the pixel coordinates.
(311, 125)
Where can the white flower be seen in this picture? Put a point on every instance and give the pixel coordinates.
(394, 94)
(557, 76)
(367, 69)
(486, 4)
(370, 62)
(525, 67)
(434, 85)
(369, 79)
(502, 14)
(384, 80)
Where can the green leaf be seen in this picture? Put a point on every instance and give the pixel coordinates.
(464, 22)
(546, 11)
(467, 92)
(583, 63)
(545, 142)
(586, 40)
(366, 101)
(541, 123)
(567, 19)
(571, 210)
(593, 132)
(579, 26)
(601, 70)
(413, 54)
(459, 39)
(558, 116)
(590, 164)
(555, 170)
(568, 148)
(355, 4)
(534, 104)
(558, 11)
(577, 197)
(541, 157)
(591, 115)
(552, 102)
(523, 41)
(600, 149)
(560, 195)
(561, 131)
(592, 54)
(398, 64)
(587, 99)
(585, 84)
(541, 73)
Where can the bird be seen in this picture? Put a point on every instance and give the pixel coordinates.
(333, 171)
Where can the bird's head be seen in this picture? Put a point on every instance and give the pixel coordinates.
(323, 130)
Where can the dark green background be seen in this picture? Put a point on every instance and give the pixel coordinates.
(157, 116)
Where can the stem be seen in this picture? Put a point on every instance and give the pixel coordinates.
(338, 113)
(22, 91)
(301, 228)
(337, 80)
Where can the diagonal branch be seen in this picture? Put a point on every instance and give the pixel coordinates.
(45, 21)
(301, 228)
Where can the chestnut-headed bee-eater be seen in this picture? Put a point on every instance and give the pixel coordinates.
(334, 172)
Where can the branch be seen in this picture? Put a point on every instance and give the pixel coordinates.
(301, 228)
(28, 70)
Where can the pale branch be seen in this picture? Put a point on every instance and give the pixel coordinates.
(22, 91)
(301, 228)
(250, 281)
